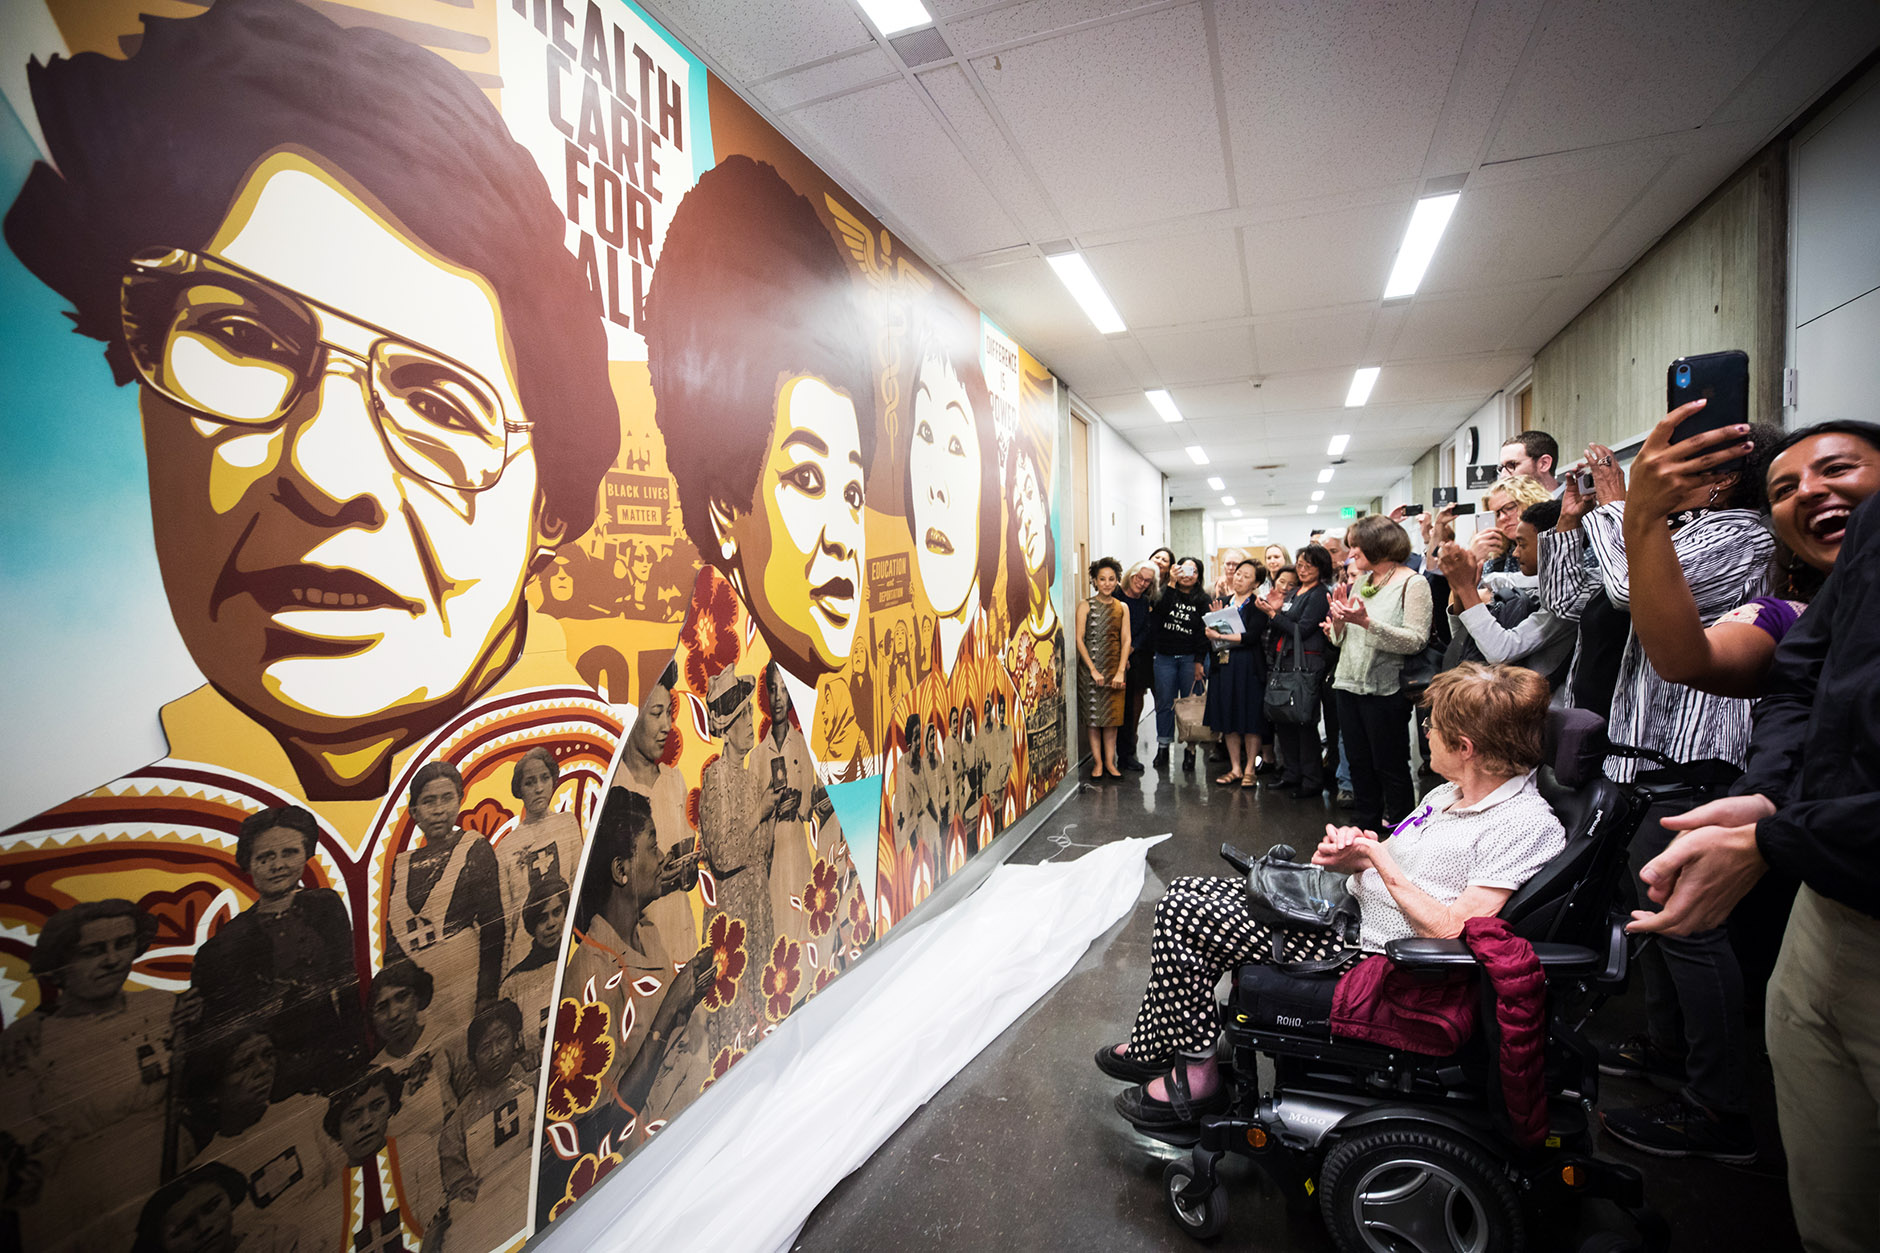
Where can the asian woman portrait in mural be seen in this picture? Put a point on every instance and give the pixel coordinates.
(85, 1081)
(764, 398)
(361, 439)
(285, 964)
(952, 477)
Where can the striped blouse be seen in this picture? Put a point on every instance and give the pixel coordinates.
(1725, 555)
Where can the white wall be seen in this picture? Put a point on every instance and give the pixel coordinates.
(1128, 506)
(1834, 260)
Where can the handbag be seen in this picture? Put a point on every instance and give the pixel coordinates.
(1191, 719)
(1292, 692)
(1286, 894)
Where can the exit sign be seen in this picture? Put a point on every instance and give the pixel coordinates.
(1348, 512)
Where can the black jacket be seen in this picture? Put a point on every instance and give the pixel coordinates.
(1815, 751)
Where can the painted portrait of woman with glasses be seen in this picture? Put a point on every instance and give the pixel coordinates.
(374, 392)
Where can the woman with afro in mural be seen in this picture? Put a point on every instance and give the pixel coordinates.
(764, 398)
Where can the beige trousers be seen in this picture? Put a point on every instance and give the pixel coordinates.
(1824, 1040)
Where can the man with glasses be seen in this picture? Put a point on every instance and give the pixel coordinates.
(1534, 454)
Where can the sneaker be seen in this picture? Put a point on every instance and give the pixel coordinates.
(1680, 1128)
(1161, 757)
(1346, 800)
(1636, 1057)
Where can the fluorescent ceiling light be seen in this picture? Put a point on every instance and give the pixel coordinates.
(1325, 475)
(1074, 272)
(1337, 446)
(1216, 484)
(1312, 508)
(1419, 244)
(1361, 384)
(1227, 500)
(1319, 495)
(1164, 404)
(891, 17)
(1197, 454)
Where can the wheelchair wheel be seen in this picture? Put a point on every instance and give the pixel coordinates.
(1202, 1219)
(1395, 1190)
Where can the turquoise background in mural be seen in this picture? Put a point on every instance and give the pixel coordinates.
(79, 560)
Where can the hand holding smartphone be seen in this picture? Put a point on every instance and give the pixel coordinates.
(1721, 379)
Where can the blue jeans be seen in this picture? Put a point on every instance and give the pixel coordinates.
(1344, 766)
(1174, 677)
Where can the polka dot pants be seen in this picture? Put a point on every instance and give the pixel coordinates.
(1202, 930)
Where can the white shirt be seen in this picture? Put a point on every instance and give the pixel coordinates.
(1501, 841)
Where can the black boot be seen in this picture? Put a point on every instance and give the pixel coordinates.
(1161, 756)
(1188, 759)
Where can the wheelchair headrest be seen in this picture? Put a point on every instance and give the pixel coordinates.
(1575, 744)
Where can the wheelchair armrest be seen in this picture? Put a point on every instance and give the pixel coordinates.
(1421, 953)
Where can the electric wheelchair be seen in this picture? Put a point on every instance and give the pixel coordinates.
(1410, 1153)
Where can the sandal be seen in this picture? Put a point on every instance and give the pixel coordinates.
(1247, 780)
(1181, 1112)
(1230, 777)
(1128, 1069)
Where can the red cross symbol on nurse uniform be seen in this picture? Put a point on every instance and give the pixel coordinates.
(505, 1122)
(420, 933)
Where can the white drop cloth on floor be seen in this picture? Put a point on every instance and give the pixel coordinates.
(743, 1168)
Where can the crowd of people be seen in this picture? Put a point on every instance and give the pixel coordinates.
(1700, 605)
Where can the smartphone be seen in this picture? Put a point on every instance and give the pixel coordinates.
(1722, 378)
(1443, 496)
(1411, 511)
(1464, 509)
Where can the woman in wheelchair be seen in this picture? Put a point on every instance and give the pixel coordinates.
(1460, 854)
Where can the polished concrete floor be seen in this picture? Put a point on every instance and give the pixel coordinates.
(1022, 1150)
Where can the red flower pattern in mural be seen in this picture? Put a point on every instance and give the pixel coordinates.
(710, 640)
(589, 1171)
(825, 976)
(726, 938)
(584, 1049)
(726, 1059)
(860, 927)
(820, 899)
(782, 977)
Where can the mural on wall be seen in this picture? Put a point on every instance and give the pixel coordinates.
(618, 581)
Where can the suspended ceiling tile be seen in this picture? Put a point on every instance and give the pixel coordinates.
(1311, 342)
(753, 41)
(1127, 411)
(827, 79)
(1092, 368)
(987, 148)
(1604, 73)
(1307, 390)
(1324, 259)
(1828, 42)
(1455, 325)
(1025, 298)
(1200, 356)
(1443, 382)
(1119, 120)
(1497, 35)
(1170, 279)
(893, 146)
(1331, 97)
(1019, 22)
(1539, 226)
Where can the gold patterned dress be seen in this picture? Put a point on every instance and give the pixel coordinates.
(1103, 640)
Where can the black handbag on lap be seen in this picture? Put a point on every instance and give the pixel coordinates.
(1285, 893)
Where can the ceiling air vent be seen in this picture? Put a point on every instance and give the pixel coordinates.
(923, 47)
